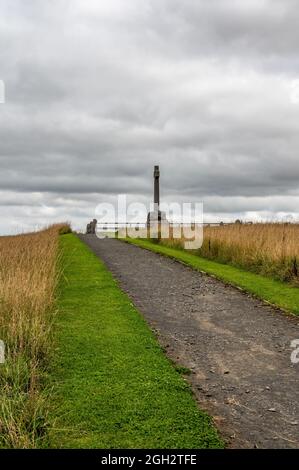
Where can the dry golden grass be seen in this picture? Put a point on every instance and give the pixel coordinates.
(271, 249)
(28, 279)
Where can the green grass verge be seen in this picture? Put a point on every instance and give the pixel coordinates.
(270, 290)
(113, 385)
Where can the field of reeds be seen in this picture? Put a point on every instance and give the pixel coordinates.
(270, 249)
(28, 279)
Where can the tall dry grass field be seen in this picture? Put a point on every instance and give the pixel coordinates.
(28, 279)
(270, 249)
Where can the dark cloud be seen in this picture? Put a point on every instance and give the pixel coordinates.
(99, 92)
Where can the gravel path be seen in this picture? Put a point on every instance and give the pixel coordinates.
(237, 348)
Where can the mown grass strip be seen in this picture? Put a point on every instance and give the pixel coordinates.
(270, 290)
(114, 387)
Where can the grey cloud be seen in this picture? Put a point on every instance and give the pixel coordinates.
(98, 92)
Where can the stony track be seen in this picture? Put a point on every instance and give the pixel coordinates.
(237, 347)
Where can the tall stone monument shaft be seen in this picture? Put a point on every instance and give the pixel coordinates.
(156, 216)
(156, 187)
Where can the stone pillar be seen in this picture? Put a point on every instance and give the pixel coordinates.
(156, 187)
(155, 218)
(93, 226)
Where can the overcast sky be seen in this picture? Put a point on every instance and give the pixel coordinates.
(97, 92)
